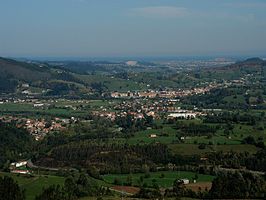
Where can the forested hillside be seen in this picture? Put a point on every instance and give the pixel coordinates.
(14, 143)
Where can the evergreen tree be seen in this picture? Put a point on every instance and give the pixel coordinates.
(54, 193)
(9, 189)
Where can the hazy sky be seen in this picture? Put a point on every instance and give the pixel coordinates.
(86, 28)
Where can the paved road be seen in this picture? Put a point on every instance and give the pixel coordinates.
(245, 170)
(31, 165)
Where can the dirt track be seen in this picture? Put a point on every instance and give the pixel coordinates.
(126, 189)
(203, 185)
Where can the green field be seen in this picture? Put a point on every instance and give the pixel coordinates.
(28, 110)
(163, 179)
(168, 135)
(59, 108)
(33, 185)
(16, 107)
(143, 136)
(112, 83)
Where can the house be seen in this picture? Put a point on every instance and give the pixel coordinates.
(19, 164)
(153, 136)
(182, 115)
(38, 105)
(20, 171)
(25, 85)
(185, 181)
(19, 167)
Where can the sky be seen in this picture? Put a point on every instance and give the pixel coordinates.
(112, 28)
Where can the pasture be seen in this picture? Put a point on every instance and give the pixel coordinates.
(164, 179)
(33, 185)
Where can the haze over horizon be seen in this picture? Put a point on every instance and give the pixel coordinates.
(119, 28)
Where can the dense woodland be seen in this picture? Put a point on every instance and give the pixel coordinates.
(107, 158)
(10, 190)
(15, 143)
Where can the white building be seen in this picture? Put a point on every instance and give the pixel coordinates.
(184, 180)
(182, 115)
(19, 164)
(153, 136)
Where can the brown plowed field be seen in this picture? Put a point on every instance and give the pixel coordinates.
(195, 186)
(127, 189)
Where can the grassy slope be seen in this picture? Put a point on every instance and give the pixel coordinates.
(166, 181)
(23, 71)
(112, 84)
(34, 185)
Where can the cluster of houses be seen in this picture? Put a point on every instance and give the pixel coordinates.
(157, 109)
(38, 127)
(19, 167)
(185, 114)
(163, 94)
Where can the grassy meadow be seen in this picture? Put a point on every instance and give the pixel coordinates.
(163, 179)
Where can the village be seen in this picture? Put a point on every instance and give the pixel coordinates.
(164, 93)
(157, 109)
(38, 128)
(156, 104)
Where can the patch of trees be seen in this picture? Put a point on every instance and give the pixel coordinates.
(122, 75)
(215, 99)
(10, 190)
(7, 85)
(98, 129)
(65, 76)
(148, 193)
(179, 190)
(86, 67)
(131, 125)
(185, 160)
(251, 140)
(108, 158)
(54, 192)
(229, 159)
(60, 88)
(193, 129)
(98, 86)
(227, 117)
(237, 185)
(75, 187)
(257, 162)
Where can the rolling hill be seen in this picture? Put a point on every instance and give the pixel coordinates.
(23, 71)
(56, 80)
(255, 66)
(53, 80)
